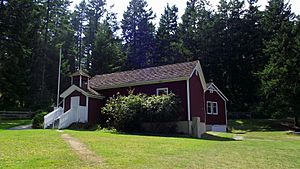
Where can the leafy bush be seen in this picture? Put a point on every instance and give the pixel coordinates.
(124, 112)
(127, 113)
(38, 120)
(162, 108)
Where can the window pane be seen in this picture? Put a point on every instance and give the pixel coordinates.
(214, 111)
(162, 91)
(209, 107)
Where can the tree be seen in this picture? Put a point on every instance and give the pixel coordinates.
(280, 76)
(78, 23)
(95, 11)
(138, 34)
(195, 29)
(168, 45)
(17, 35)
(107, 53)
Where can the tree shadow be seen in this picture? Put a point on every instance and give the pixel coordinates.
(207, 136)
(204, 136)
(253, 125)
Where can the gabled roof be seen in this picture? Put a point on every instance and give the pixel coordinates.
(212, 86)
(87, 92)
(80, 73)
(152, 75)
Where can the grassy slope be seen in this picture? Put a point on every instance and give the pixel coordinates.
(259, 150)
(6, 124)
(46, 149)
(35, 149)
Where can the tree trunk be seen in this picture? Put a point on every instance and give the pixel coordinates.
(297, 120)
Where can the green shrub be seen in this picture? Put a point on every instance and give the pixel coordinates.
(124, 112)
(162, 108)
(127, 113)
(38, 120)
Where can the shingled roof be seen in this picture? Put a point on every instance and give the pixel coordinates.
(174, 72)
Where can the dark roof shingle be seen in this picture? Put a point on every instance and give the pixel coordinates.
(147, 75)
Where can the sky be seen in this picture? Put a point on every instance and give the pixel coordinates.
(158, 6)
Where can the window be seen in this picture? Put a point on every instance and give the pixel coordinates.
(161, 91)
(212, 107)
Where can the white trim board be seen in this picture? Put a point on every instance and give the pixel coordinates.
(188, 99)
(211, 108)
(72, 88)
(200, 74)
(163, 88)
(213, 87)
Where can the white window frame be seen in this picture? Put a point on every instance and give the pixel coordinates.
(211, 108)
(165, 89)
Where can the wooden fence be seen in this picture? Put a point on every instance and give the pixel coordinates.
(6, 115)
(239, 115)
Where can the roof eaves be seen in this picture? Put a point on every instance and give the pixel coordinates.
(140, 83)
(74, 87)
(218, 91)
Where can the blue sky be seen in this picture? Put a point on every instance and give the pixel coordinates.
(158, 6)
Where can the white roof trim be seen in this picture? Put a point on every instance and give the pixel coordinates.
(215, 88)
(140, 83)
(200, 74)
(72, 88)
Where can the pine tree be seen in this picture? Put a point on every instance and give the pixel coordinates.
(107, 54)
(195, 29)
(95, 11)
(167, 40)
(78, 24)
(280, 77)
(138, 33)
(17, 36)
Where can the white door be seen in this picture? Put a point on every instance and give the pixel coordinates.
(75, 102)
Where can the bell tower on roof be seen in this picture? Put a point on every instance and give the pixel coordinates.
(80, 79)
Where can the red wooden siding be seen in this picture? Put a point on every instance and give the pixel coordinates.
(82, 101)
(221, 117)
(178, 88)
(94, 110)
(196, 98)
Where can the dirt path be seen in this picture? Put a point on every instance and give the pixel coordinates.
(82, 151)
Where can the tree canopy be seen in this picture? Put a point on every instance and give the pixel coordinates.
(252, 55)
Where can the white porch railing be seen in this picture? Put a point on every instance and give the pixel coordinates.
(51, 117)
(73, 115)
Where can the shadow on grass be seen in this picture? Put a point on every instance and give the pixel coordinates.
(250, 125)
(204, 136)
(207, 136)
(83, 127)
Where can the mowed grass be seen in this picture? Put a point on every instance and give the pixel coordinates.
(260, 149)
(36, 149)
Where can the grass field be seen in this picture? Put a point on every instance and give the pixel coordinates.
(46, 149)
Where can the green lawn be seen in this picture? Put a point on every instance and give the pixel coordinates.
(6, 124)
(46, 149)
(36, 149)
(258, 150)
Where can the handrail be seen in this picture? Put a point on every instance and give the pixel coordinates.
(66, 119)
(51, 117)
(73, 115)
